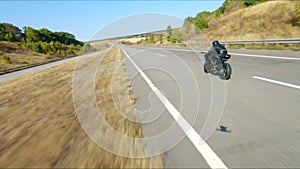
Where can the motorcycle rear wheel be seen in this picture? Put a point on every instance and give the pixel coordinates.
(227, 72)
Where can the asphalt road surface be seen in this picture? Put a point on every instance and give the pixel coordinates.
(261, 108)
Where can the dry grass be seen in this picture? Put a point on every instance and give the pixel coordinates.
(113, 70)
(273, 19)
(100, 45)
(39, 128)
(293, 47)
(133, 40)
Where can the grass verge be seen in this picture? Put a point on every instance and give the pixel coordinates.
(294, 47)
(39, 127)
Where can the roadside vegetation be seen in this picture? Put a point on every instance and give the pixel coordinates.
(239, 20)
(14, 55)
(30, 45)
(39, 127)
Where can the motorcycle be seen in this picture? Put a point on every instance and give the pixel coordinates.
(223, 69)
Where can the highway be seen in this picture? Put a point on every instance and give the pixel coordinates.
(261, 107)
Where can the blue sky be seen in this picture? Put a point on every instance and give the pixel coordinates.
(85, 18)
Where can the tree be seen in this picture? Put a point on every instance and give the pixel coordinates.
(152, 38)
(189, 19)
(42, 40)
(161, 38)
(201, 20)
(2, 31)
(31, 34)
(14, 33)
(219, 11)
(169, 30)
(46, 35)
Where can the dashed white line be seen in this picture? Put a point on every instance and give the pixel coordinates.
(205, 150)
(277, 82)
(161, 55)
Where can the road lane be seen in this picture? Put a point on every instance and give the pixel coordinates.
(185, 151)
(263, 118)
(208, 154)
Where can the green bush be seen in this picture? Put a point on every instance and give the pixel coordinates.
(249, 2)
(253, 2)
(9, 37)
(70, 52)
(161, 38)
(88, 48)
(5, 59)
(298, 15)
(172, 40)
(219, 11)
(152, 40)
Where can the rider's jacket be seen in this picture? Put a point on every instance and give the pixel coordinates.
(220, 49)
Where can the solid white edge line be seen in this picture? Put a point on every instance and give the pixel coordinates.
(277, 82)
(205, 150)
(266, 56)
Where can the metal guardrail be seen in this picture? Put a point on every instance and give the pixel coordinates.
(13, 69)
(240, 42)
(9, 70)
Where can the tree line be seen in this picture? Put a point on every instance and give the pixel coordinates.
(41, 40)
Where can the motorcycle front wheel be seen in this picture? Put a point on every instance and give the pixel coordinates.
(205, 68)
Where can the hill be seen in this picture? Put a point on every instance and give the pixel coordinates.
(235, 21)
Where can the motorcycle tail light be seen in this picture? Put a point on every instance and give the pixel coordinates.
(227, 56)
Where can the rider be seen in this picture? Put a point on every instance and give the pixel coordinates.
(216, 52)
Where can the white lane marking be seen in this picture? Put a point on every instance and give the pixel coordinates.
(205, 150)
(266, 56)
(161, 55)
(277, 82)
(237, 54)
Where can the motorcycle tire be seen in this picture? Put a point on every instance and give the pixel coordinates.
(227, 73)
(205, 68)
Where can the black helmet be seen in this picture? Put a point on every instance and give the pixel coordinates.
(215, 43)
